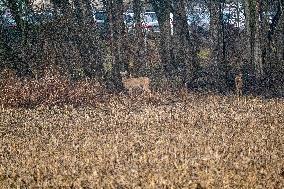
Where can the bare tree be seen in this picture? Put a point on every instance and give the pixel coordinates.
(274, 46)
(252, 9)
(163, 9)
(117, 32)
(10, 59)
(217, 36)
(183, 55)
(87, 38)
(137, 9)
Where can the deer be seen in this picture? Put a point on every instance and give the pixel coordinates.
(134, 83)
(239, 84)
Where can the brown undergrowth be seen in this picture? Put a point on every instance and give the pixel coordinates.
(50, 90)
(174, 140)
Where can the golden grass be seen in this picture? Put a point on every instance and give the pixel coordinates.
(201, 141)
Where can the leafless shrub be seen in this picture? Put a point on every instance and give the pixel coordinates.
(50, 90)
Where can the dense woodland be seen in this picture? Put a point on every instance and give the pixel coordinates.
(68, 118)
(244, 36)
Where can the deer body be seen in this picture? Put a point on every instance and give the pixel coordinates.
(134, 83)
(239, 84)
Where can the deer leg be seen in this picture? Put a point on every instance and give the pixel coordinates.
(149, 92)
(146, 90)
(130, 92)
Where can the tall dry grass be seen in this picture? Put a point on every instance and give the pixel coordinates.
(172, 141)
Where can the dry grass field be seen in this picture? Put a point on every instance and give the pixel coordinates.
(197, 141)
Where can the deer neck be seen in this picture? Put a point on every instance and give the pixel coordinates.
(123, 79)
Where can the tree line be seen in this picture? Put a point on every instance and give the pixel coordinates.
(244, 36)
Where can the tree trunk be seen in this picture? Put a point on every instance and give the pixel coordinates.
(81, 39)
(215, 30)
(9, 59)
(163, 9)
(183, 56)
(140, 51)
(258, 61)
(91, 40)
(274, 47)
(87, 39)
(217, 33)
(253, 29)
(18, 10)
(116, 25)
